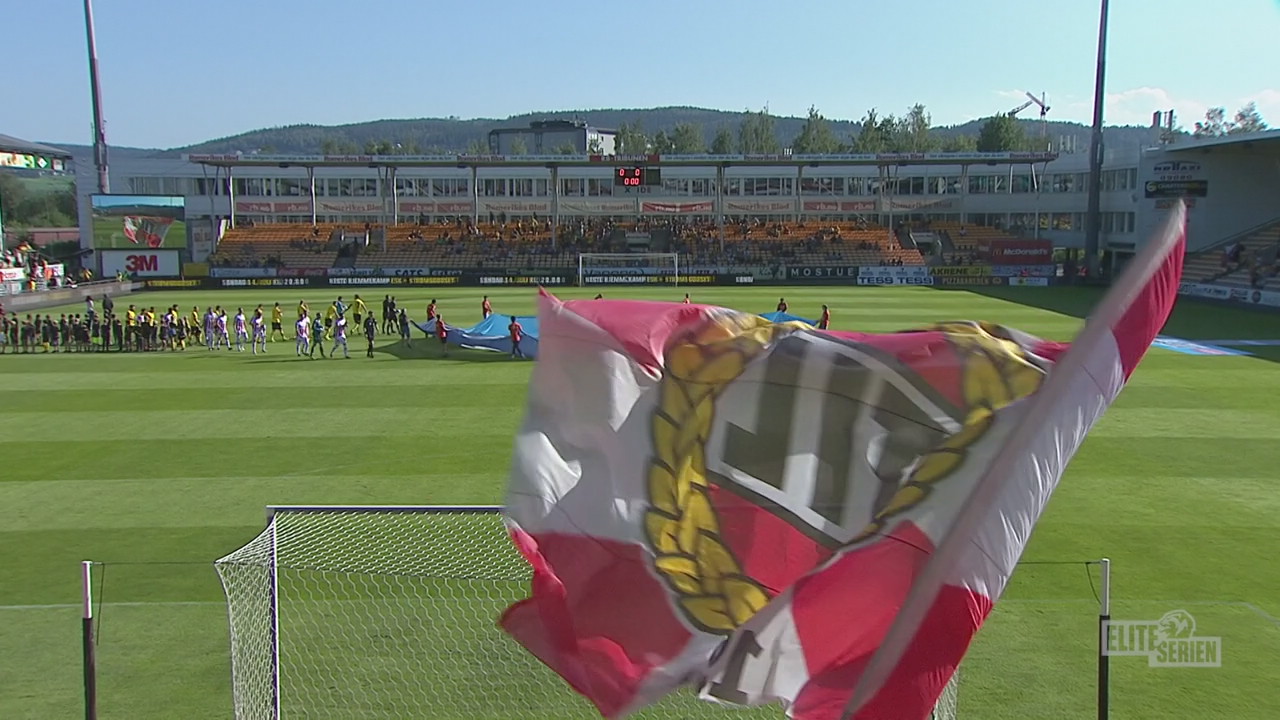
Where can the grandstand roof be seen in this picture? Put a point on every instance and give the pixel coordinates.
(8, 143)
(1253, 143)
(239, 160)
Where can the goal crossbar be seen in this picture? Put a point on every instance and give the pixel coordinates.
(619, 268)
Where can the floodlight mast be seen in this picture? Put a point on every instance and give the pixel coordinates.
(95, 92)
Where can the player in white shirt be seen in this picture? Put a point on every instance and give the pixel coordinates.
(221, 327)
(339, 337)
(302, 336)
(242, 333)
(259, 327)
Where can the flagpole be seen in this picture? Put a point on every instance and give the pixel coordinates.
(954, 543)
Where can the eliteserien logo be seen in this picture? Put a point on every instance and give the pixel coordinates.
(1168, 642)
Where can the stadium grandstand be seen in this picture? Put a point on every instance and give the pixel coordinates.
(536, 213)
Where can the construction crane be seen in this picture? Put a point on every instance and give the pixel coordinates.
(1044, 111)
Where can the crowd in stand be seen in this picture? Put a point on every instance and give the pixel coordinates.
(1262, 264)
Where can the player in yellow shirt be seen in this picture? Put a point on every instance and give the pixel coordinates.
(302, 309)
(130, 327)
(329, 316)
(358, 310)
(193, 326)
(277, 323)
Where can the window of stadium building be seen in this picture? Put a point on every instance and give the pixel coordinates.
(1117, 222)
(1068, 182)
(573, 187)
(450, 187)
(764, 186)
(862, 186)
(910, 186)
(1022, 184)
(821, 186)
(1113, 180)
(942, 185)
(1067, 221)
(596, 187)
(987, 184)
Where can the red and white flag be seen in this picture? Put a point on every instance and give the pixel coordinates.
(776, 513)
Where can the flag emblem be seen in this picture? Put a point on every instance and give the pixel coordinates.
(715, 589)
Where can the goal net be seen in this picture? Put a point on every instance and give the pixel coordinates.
(391, 612)
(602, 269)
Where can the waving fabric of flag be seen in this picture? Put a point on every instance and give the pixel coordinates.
(770, 512)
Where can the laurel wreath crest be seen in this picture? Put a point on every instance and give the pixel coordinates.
(712, 590)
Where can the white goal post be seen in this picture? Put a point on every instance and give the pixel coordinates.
(601, 269)
(391, 612)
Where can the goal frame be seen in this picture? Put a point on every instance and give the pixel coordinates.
(273, 567)
(273, 578)
(674, 257)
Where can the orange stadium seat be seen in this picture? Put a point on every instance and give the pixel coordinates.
(529, 246)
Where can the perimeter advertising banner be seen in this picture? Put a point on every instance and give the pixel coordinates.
(961, 271)
(138, 221)
(141, 263)
(1021, 252)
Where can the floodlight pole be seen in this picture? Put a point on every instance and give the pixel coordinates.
(1104, 659)
(86, 636)
(95, 91)
(1093, 216)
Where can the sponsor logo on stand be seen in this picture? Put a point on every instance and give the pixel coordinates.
(891, 280)
(1212, 292)
(264, 282)
(961, 271)
(972, 281)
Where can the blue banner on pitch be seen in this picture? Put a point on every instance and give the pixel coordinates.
(1190, 347)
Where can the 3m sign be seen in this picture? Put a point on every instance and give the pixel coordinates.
(141, 263)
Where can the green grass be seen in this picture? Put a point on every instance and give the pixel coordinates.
(170, 458)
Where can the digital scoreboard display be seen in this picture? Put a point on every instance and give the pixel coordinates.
(637, 177)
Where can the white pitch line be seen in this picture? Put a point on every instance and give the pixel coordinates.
(1273, 620)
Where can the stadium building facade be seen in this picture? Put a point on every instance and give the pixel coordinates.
(1230, 185)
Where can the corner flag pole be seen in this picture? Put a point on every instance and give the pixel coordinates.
(1104, 660)
(86, 636)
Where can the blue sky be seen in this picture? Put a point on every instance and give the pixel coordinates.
(176, 72)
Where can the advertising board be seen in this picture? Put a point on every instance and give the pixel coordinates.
(1021, 252)
(140, 263)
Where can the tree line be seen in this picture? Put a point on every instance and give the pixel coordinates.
(1216, 124)
(757, 134)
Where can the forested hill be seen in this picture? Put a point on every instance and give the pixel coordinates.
(658, 127)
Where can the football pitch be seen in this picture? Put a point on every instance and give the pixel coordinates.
(159, 463)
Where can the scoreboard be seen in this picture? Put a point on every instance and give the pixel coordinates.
(637, 176)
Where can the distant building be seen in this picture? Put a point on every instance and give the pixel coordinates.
(553, 137)
(22, 155)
